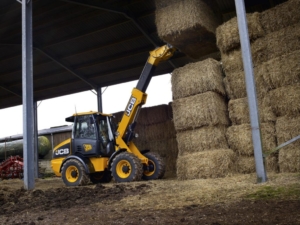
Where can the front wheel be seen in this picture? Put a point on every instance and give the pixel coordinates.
(126, 167)
(73, 173)
(156, 167)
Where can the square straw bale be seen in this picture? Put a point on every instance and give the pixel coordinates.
(159, 131)
(239, 111)
(285, 100)
(170, 111)
(207, 164)
(288, 128)
(189, 25)
(227, 34)
(289, 159)
(239, 138)
(282, 71)
(281, 16)
(237, 84)
(202, 139)
(246, 164)
(196, 78)
(207, 109)
(233, 62)
(168, 150)
(156, 114)
(266, 48)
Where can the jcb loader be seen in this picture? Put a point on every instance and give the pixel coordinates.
(99, 149)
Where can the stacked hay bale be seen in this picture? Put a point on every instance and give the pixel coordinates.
(200, 118)
(189, 25)
(275, 41)
(157, 133)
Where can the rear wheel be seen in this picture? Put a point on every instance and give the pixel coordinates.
(100, 177)
(126, 167)
(156, 167)
(73, 173)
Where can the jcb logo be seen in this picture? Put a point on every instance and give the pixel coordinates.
(62, 151)
(87, 147)
(130, 106)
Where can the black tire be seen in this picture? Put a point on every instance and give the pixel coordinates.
(126, 167)
(73, 173)
(157, 167)
(100, 177)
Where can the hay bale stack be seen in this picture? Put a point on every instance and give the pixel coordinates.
(239, 138)
(168, 150)
(195, 78)
(228, 37)
(157, 133)
(207, 109)
(289, 159)
(281, 71)
(239, 111)
(236, 86)
(285, 100)
(266, 48)
(206, 164)
(281, 16)
(187, 24)
(288, 128)
(246, 164)
(202, 139)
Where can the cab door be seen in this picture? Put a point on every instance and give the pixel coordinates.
(84, 139)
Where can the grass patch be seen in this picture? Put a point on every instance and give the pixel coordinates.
(269, 192)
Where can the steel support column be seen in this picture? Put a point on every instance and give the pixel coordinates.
(27, 95)
(251, 91)
(99, 100)
(36, 142)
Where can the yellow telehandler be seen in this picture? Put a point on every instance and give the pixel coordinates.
(100, 150)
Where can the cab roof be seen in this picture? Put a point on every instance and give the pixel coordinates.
(71, 118)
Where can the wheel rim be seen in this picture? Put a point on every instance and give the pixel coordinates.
(150, 173)
(123, 169)
(72, 174)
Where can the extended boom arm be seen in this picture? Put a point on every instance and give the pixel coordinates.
(138, 98)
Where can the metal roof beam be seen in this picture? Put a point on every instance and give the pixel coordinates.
(94, 86)
(126, 14)
(11, 91)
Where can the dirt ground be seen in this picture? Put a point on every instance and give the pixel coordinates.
(232, 200)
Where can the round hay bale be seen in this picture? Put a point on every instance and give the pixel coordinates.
(206, 164)
(227, 34)
(284, 100)
(196, 78)
(246, 164)
(189, 25)
(288, 128)
(159, 131)
(201, 139)
(237, 84)
(281, 16)
(239, 138)
(289, 159)
(239, 111)
(207, 109)
(282, 71)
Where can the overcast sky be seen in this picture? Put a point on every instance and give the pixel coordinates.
(52, 112)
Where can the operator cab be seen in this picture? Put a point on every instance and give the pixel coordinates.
(92, 134)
